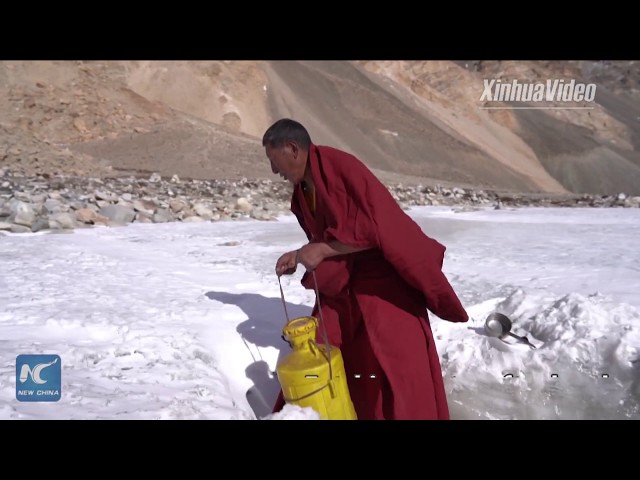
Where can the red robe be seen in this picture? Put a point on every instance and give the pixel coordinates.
(375, 302)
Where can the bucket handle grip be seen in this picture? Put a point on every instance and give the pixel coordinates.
(324, 326)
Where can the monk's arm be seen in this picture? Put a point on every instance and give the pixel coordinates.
(333, 248)
(337, 248)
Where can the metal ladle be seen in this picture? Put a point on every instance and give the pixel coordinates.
(499, 325)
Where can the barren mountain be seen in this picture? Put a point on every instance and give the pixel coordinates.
(409, 121)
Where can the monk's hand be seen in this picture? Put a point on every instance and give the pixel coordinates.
(287, 263)
(312, 254)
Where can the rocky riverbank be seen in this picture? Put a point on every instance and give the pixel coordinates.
(59, 203)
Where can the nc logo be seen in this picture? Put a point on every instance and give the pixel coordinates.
(38, 378)
(26, 371)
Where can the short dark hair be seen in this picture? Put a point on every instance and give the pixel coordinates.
(286, 130)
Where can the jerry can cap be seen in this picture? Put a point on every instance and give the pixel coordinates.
(299, 326)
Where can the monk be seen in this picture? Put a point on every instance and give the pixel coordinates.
(377, 272)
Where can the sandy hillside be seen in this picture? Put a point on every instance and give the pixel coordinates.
(409, 121)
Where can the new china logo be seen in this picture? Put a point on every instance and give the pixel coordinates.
(38, 378)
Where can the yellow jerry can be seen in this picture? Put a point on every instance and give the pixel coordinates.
(313, 375)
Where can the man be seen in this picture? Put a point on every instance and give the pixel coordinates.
(377, 275)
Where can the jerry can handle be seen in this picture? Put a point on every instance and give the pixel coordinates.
(324, 326)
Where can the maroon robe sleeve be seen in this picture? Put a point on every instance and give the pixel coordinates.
(362, 213)
(333, 273)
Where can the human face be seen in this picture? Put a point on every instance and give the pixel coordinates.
(287, 161)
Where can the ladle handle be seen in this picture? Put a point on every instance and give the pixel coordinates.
(522, 339)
